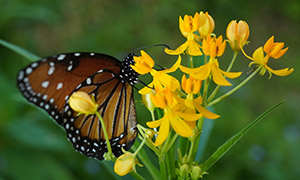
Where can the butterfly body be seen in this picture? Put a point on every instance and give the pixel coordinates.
(50, 82)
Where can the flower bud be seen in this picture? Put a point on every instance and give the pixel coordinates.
(183, 171)
(206, 24)
(197, 172)
(147, 101)
(237, 34)
(125, 164)
(81, 102)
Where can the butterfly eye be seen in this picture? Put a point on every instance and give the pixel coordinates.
(49, 83)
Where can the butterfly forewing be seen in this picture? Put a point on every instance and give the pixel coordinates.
(49, 83)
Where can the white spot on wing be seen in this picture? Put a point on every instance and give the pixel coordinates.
(51, 64)
(35, 64)
(51, 100)
(21, 75)
(61, 57)
(45, 97)
(59, 86)
(28, 70)
(92, 54)
(76, 54)
(45, 84)
(51, 70)
(70, 68)
(88, 81)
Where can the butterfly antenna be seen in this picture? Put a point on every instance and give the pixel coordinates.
(156, 45)
(145, 84)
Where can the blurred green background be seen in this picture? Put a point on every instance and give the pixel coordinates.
(32, 146)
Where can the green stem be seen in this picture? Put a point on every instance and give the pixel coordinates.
(171, 162)
(162, 165)
(212, 95)
(172, 142)
(234, 89)
(196, 140)
(232, 61)
(191, 62)
(206, 84)
(191, 151)
(110, 154)
(140, 147)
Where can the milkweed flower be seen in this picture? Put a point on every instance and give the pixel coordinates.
(173, 116)
(125, 163)
(161, 79)
(81, 102)
(237, 34)
(206, 24)
(188, 25)
(213, 46)
(211, 68)
(273, 50)
(143, 64)
(192, 86)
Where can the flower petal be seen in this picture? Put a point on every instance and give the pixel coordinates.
(206, 113)
(258, 56)
(269, 44)
(174, 67)
(218, 77)
(189, 116)
(163, 132)
(203, 72)
(181, 127)
(155, 124)
(146, 89)
(177, 51)
(281, 72)
(194, 48)
(231, 75)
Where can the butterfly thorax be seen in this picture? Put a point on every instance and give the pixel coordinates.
(128, 74)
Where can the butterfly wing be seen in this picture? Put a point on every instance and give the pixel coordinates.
(116, 106)
(48, 83)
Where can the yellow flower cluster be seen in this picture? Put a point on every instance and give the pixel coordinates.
(183, 104)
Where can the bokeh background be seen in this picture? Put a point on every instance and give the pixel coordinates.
(32, 146)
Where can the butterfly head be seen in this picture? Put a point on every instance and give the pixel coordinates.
(128, 74)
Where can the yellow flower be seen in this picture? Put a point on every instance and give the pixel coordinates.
(172, 116)
(206, 24)
(192, 86)
(125, 164)
(161, 79)
(143, 64)
(272, 50)
(237, 34)
(213, 46)
(212, 67)
(81, 102)
(188, 25)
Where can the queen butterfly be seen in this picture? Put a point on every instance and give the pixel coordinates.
(49, 82)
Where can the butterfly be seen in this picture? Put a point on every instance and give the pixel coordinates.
(49, 83)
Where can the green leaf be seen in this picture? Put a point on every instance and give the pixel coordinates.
(28, 55)
(233, 140)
